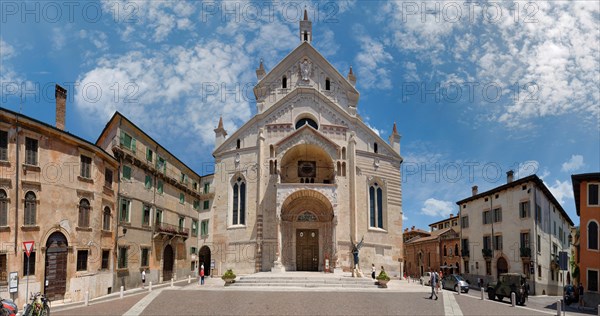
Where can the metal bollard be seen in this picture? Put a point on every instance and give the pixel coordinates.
(122, 289)
(189, 279)
(558, 308)
(513, 298)
(459, 289)
(481, 290)
(171, 282)
(87, 298)
(150, 287)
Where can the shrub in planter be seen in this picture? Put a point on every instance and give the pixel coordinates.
(228, 276)
(383, 279)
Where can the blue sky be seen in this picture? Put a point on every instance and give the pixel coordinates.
(476, 88)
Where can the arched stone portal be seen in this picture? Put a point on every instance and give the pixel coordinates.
(308, 231)
(56, 266)
(502, 266)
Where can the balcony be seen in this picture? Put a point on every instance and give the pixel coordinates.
(487, 253)
(174, 230)
(525, 253)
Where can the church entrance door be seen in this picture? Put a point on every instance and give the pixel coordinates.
(307, 250)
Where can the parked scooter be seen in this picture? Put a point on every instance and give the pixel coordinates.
(8, 308)
(39, 306)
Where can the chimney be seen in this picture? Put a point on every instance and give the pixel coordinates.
(450, 215)
(474, 190)
(60, 94)
(510, 176)
(412, 228)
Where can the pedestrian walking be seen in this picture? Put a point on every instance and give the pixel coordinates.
(143, 277)
(580, 291)
(373, 271)
(202, 274)
(433, 282)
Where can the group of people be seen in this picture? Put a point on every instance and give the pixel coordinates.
(373, 270)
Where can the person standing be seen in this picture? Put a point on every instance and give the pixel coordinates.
(202, 274)
(143, 278)
(580, 291)
(433, 282)
(373, 271)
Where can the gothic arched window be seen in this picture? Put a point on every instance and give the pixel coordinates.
(30, 208)
(84, 213)
(238, 215)
(3, 208)
(376, 206)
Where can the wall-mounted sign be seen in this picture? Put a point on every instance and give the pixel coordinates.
(13, 282)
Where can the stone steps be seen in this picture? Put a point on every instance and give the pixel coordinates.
(304, 281)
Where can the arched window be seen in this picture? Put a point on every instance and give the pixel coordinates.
(30, 208)
(239, 202)
(592, 235)
(339, 169)
(343, 169)
(106, 219)
(272, 151)
(344, 153)
(456, 249)
(445, 251)
(305, 36)
(304, 121)
(84, 213)
(238, 144)
(375, 149)
(327, 84)
(376, 206)
(284, 82)
(3, 208)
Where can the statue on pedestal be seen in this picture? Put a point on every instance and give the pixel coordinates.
(355, 250)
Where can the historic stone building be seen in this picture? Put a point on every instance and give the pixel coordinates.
(58, 191)
(305, 178)
(516, 227)
(159, 200)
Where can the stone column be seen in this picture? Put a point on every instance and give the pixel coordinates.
(278, 265)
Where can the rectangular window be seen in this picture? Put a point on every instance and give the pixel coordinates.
(181, 223)
(487, 242)
(3, 145)
(593, 193)
(524, 240)
(195, 186)
(86, 167)
(555, 232)
(161, 164)
(204, 228)
(196, 204)
(538, 213)
(497, 215)
(31, 270)
(105, 259)
(498, 242)
(464, 222)
(539, 270)
(554, 249)
(149, 154)
(144, 257)
(194, 228)
(539, 244)
(159, 187)
(206, 205)
(108, 178)
(183, 178)
(3, 269)
(524, 209)
(488, 267)
(122, 262)
(487, 217)
(146, 215)
(3, 209)
(124, 211)
(181, 198)
(206, 187)
(127, 172)
(158, 218)
(82, 260)
(127, 141)
(148, 181)
(193, 250)
(592, 280)
(31, 151)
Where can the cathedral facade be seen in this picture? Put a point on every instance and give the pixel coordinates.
(300, 184)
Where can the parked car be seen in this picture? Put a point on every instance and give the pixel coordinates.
(569, 294)
(426, 279)
(509, 283)
(454, 282)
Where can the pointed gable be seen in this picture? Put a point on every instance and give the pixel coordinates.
(308, 135)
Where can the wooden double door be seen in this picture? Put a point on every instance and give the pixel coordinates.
(307, 250)
(55, 283)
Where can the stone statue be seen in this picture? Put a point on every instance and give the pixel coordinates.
(305, 69)
(355, 251)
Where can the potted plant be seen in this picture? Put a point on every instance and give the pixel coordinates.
(383, 279)
(228, 277)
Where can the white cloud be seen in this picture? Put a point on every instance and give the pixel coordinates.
(434, 207)
(372, 63)
(527, 168)
(562, 190)
(183, 89)
(575, 163)
(59, 39)
(6, 50)
(404, 218)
